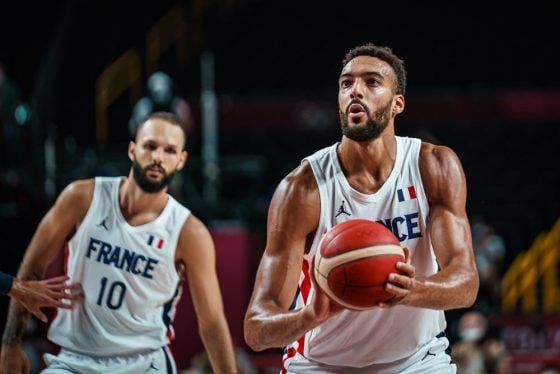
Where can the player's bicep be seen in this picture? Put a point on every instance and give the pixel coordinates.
(450, 235)
(293, 215)
(445, 183)
(197, 254)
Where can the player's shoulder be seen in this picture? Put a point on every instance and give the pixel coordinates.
(441, 170)
(436, 156)
(77, 195)
(299, 180)
(194, 227)
(80, 188)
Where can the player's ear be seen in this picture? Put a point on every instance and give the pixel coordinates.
(182, 159)
(131, 146)
(398, 104)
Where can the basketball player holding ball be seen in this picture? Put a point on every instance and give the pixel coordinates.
(416, 189)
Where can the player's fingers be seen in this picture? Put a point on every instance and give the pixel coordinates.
(400, 280)
(66, 289)
(75, 288)
(64, 295)
(40, 315)
(71, 296)
(58, 279)
(57, 302)
(61, 305)
(406, 269)
(407, 254)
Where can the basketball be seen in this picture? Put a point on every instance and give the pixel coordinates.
(353, 262)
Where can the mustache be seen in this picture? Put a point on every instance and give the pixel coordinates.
(356, 101)
(156, 166)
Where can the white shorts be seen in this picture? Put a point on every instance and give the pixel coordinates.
(431, 358)
(159, 361)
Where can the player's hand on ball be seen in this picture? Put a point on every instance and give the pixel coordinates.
(400, 284)
(323, 307)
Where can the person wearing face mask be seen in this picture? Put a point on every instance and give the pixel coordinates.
(477, 352)
(467, 352)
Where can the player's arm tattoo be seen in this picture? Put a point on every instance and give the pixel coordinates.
(17, 319)
(15, 325)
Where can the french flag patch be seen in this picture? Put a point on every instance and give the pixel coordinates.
(155, 242)
(405, 194)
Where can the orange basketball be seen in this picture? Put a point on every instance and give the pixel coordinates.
(353, 262)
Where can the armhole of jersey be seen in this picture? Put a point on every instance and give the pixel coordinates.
(87, 218)
(423, 199)
(321, 186)
(181, 214)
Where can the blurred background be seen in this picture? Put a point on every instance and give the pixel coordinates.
(256, 83)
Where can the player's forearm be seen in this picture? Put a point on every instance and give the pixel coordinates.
(263, 331)
(15, 324)
(17, 314)
(219, 348)
(451, 288)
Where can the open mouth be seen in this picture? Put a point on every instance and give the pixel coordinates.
(355, 112)
(356, 108)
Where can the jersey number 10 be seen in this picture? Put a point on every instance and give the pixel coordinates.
(115, 294)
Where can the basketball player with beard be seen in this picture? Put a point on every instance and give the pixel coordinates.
(129, 244)
(417, 189)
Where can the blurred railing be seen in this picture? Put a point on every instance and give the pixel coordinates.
(531, 284)
(126, 71)
(122, 74)
(171, 29)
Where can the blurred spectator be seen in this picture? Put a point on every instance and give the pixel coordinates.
(160, 96)
(477, 352)
(489, 249)
(467, 353)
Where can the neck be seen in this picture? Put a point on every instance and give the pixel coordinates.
(134, 201)
(372, 155)
(367, 165)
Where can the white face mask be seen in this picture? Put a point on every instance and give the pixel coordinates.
(471, 334)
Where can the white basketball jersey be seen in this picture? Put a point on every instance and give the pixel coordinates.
(128, 275)
(380, 335)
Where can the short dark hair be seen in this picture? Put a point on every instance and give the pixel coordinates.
(383, 53)
(165, 116)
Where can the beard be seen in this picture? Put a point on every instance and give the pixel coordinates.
(375, 124)
(145, 183)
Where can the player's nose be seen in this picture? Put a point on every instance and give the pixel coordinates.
(357, 90)
(157, 154)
